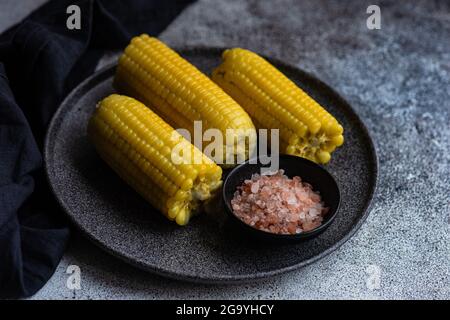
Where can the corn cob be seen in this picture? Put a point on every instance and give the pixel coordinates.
(138, 145)
(274, 101)
(157, 76)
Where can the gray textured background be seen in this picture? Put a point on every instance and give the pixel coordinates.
(397, 78)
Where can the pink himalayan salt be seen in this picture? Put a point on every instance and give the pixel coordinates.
(278, 204)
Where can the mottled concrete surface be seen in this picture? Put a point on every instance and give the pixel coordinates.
(397, 78)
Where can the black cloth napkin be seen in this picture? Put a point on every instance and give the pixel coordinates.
(41, 60)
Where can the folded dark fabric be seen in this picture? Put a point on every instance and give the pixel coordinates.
(41, 60)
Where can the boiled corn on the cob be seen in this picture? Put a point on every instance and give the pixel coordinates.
(177, 91)
(139, 146)
(274, 101)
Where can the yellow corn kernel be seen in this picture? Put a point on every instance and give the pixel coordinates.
(137, 144)
(274, 101)
(177, 91)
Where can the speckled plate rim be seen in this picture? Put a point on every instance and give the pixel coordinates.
(108, 71)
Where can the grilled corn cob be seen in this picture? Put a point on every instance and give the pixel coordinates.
(274, 101)
(139, 146)
(156, 75)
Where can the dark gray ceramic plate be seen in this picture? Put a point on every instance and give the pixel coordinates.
(208, 249)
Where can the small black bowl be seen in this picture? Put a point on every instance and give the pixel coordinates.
(320, 179)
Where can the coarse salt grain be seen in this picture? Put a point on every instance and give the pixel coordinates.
(277, 204)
